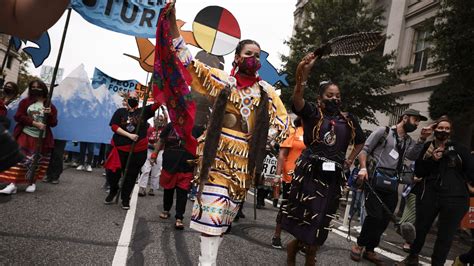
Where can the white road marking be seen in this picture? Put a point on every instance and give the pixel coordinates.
(121, 253)
(388, 254)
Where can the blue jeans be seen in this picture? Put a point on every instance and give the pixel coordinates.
(358, 204)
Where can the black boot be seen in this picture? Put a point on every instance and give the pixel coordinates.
(240, 213)
(261, 198)
(110, 198)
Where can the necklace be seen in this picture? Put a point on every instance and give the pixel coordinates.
(330, 136)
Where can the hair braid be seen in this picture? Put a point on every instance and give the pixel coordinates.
(317, 127)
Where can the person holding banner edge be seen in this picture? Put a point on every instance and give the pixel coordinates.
(29, 117)
(228, 159)
(123, 124)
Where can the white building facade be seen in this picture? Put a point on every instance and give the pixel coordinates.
(12, 67)
(405, 22)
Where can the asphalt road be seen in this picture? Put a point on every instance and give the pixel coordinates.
(68, 224)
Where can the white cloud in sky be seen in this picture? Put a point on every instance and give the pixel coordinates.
(270, 22)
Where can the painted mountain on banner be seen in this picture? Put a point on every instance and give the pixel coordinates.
(84, 112)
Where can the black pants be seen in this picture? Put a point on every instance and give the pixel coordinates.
(377, 218)
(90, 153)
(285, 195)
(10, 152)
(450, 211)
(101, 158)
(136, 163)
(469, 256)
(55, 168)
(181, 200)
(262, 193)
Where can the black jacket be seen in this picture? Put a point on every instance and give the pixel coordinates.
(449, 175)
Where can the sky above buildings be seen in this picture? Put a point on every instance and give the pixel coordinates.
(270, 22)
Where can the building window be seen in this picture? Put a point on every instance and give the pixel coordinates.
(421, 53)
(9, 62)
(396, 113)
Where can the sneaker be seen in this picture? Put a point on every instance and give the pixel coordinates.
(110, 199)
(89, 168)
(141, 192)
(74, 164)
(408, 232)
(46, 180)
(104, 174)
(406, 247)
(31, 188)
(276, 242)
(80, 168)
(302, 251)
(125, 205)
(151, 192)
(10, 189)
(55, 182)
(458, 262)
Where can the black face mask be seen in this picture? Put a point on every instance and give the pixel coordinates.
(36, 94)
(132, 102)
(8, 90)
(332, 106)
(409, 127)
(441, 135)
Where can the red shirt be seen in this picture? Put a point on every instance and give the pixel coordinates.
(3, 108)
(153, 135)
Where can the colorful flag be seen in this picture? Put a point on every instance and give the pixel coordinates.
(171, 84)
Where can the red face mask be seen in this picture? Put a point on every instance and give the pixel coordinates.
(249, 66)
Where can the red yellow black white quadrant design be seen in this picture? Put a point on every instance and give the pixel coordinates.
(216, 30)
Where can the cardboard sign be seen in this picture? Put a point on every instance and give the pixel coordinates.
(468, 220)
(141, 89)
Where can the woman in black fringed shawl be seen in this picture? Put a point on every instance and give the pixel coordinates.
(316, 186)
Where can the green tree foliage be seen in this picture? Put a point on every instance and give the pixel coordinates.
(453, 50)
(24, 77)
(364, 79)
